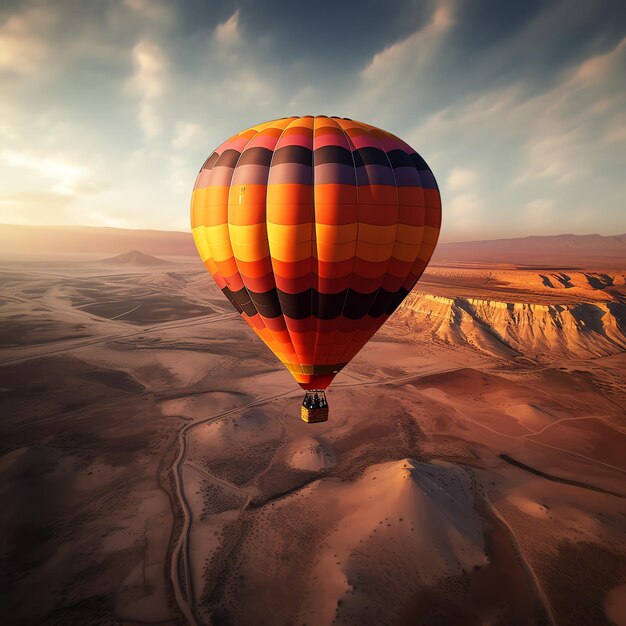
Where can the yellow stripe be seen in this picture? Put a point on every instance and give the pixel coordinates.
(201, 243)
(431, 235)
(405, 251)
(289, 233)
(410, 234)
(335, 234)
(289, 252)
(426, 251)
(217, 234)
(373, 252)
(221, 251)
(247, 235)
(371, 233)
(248, 253)
(335, 252)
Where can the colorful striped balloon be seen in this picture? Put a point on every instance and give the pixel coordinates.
(315, 229)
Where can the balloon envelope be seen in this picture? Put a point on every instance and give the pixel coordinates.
(315, 229)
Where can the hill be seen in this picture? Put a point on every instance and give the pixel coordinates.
(135, 257)
(18, 240)
(577, 251)
(560, 251)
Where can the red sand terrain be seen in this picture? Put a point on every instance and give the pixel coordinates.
(153, 467)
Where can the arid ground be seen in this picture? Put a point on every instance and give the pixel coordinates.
(154, 469)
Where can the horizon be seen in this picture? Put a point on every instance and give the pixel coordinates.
(106, 122)
(441, 241)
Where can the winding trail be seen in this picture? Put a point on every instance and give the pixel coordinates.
(525, 564)
(181, 559)
(246, 495)
(34, 352)
(185, 598)
(184, 591)
(527, 437)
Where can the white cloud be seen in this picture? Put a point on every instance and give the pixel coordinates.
(185, 134)
(401, 65)
(23, 48)
(416, 49)
(35, 208)
(552, 156)
(149, 84)
(151, 9)
(227, 33)
(460, 179)
(540, 213)
(601, 67)
(463, 207)
(553, 143)
(66, 178)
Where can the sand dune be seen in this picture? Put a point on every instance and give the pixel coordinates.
(135, 257)
(310, 454)
(418, 514)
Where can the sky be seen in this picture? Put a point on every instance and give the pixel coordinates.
(109, 108)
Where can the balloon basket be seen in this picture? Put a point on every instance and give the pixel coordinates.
(314, 407)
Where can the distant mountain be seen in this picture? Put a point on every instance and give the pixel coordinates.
(135, 257)
(584, 251)
(17, 240)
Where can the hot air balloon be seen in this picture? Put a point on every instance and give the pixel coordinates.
(315, 228)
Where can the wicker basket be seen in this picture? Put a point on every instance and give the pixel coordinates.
(312, 416)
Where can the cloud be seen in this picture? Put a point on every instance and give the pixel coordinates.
(403, 67)
(151, 9)
(540, 212)
(417, 49)
(601, 67)
(185, 134)
(227, 33)
(560, 141)
(66, 178)
(461, 194)
(460, 179)
(36, 208)
(149, 84)
(23, 46)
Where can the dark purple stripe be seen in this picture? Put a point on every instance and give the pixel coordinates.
(407, 177)
(428, 180)
(256, 156)
(294, 173)
(293, 154)
(328, 173)
(210, 162)
(251, 174)
(228, 158)
(374, 175)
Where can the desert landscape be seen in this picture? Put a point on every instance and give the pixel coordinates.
(154, 469)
